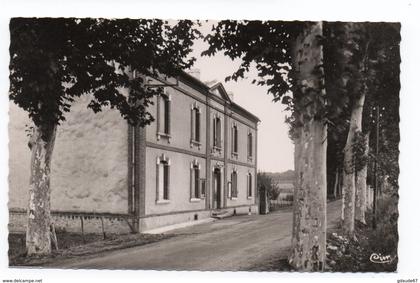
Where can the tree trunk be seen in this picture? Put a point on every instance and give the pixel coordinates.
(38, 240)
(349, 178)
(310, 195)
(361, 176)
(309, 215)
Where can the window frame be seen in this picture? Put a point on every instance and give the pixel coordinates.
(249, 185)
(217, 132)
(163, 116)
(195, 182)
(163, 185)
(250, 146)
(234, 184)
(195, 139)
(235, 139)
(203, 188)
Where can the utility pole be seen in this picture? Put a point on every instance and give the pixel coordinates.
(375, 191)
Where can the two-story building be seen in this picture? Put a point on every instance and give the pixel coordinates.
(197, 157)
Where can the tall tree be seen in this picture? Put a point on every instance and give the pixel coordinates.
(356, 44)
(355, 69)
(310, 135)
(54, 61)
(289, 59)
(265, 181)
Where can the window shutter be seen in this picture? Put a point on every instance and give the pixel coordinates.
(203, 188)
(232, 137)
(197, 125)
(191, 182)
(158, 100)
(234, 192)
(236, 184)
(249, 185)
(157, 181)
(219, 133)
(250, 145)
(166, 182)
(197, 182)
(236, 138)
(192, 124)
(247, 144)
(214, 132)
(168, 117)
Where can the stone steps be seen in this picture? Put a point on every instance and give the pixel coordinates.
(220, 214)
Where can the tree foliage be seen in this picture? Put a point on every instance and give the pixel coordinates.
(267, 44)
(365, 58)
(264, 180)
(55, 60)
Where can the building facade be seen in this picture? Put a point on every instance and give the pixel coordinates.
(197, 157)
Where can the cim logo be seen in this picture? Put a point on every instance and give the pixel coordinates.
(379, 258)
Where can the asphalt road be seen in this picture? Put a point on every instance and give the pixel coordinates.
(236, 243)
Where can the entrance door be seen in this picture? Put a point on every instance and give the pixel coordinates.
(217, 187)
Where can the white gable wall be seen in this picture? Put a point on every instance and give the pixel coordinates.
(89, 165)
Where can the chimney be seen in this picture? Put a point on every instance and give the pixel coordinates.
(230, 94)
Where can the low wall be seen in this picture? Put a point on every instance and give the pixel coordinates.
(159, 221)
(116, 223)
(70, 222)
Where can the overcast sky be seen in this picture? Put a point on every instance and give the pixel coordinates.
(275, 149)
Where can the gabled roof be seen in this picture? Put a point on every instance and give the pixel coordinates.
(220, 91)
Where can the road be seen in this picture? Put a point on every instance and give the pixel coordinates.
(236, 243)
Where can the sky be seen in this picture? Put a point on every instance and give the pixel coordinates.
(275, 149)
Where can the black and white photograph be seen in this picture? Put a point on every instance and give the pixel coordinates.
(182, 143)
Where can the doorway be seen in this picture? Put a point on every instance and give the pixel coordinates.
(217, 189)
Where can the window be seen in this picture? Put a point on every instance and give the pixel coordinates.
(166, 109)
(235, 139)
(195, 181)
(249, 185)
(164, 116)
(198, 186)
(203, 188)
(234, 184)
(162, 176)
(217, 132)
(250, 146)
(195, 124)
